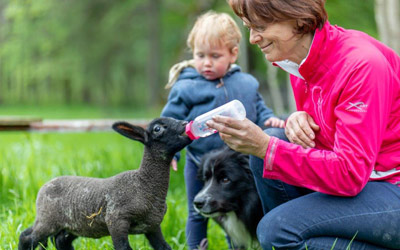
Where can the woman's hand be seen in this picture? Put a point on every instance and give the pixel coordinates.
(300, 129)
(242, 136)
(274, 122)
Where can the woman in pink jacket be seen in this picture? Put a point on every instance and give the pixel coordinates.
(331, 177)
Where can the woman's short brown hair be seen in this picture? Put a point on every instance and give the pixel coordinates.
(309, 14)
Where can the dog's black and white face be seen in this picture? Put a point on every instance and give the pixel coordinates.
(226, 177)
(229, 195)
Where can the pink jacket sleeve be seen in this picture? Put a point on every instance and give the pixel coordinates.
(346, 167)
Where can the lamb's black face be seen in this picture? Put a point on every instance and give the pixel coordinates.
(227, 178)
(163, 136)
(169, 133)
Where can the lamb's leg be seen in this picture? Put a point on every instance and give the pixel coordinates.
(25, 241)
(30, 240)
(119, 231)
(63, 240)
(157, 240)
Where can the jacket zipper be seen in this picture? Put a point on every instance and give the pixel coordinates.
(222, 84)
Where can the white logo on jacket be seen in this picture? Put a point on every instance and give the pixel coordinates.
(357, 107)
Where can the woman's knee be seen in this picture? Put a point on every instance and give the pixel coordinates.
(256, 166)
(266, 233)
(275, 231)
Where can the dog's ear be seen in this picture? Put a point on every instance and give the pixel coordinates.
(240, 158)
(243, 161)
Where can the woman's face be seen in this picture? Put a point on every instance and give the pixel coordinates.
(213, 61)
(279, 42)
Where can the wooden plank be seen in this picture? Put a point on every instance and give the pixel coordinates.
(81, 125)
(70, 125)
(17, 121)
(8, 123)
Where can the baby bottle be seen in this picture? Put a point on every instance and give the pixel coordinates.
(198, 128)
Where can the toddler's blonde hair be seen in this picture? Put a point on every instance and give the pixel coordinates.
(215, 29)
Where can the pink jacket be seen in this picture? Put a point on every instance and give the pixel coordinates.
(352, 91)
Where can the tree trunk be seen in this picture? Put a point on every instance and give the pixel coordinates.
(387, 15)
(290, 96)
(243, 59)
(154, 60)
(276, 96)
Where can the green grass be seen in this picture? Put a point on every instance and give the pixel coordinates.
(28, 160)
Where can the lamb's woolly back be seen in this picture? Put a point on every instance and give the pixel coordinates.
(132, 202)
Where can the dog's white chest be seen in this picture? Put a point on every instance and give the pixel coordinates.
(238, 232)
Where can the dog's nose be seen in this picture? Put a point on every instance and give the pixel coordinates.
(199, 203)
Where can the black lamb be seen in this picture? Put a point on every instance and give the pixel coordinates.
(132, 202)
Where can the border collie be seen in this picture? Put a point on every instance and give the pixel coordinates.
(229, 195)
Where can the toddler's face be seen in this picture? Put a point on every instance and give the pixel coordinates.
(213, 62)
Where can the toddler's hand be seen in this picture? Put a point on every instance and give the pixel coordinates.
(274, 122)
(174, 165)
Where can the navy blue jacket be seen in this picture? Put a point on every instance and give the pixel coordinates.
(193, 95)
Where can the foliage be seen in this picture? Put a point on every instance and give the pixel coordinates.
(343, 14)
(73, 51)
(102, 52)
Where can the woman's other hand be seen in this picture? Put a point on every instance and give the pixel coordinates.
(300, 129)
(274, 122)
(241, 135)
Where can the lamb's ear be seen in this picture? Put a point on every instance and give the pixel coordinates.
(132, 132)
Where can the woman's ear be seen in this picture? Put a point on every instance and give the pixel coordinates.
(234, 54)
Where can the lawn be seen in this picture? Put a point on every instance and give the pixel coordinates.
(29, 159)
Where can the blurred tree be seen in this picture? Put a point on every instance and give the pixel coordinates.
(155, 54)
(387, 14)
(119, 52)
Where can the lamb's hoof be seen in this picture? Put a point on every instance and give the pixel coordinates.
(203, 244)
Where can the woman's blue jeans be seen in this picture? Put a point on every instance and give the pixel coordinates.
(298, 218)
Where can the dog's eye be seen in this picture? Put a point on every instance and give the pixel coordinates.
(225, 180)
